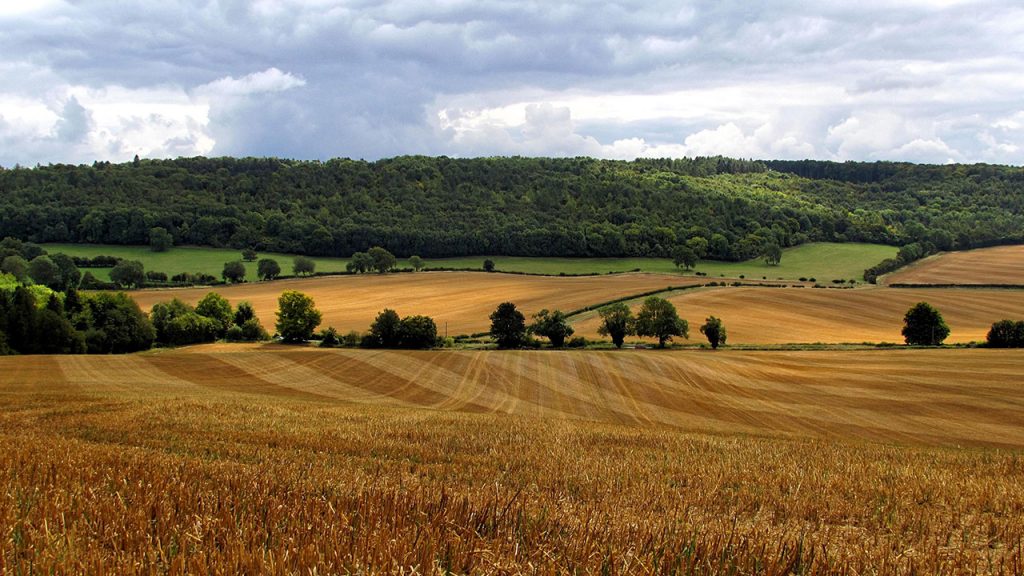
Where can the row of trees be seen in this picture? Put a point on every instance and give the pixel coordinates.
(657, 318)
(438, 207)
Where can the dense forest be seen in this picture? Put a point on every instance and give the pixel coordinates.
(443, 206)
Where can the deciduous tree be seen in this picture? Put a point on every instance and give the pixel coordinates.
(658, 318)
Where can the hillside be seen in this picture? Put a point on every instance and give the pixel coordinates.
(998, 265)
(579, 207)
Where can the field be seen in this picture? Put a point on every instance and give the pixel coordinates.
(999, 265)
(811, 315)
(824, 261)
(462, 300)
(233, 459)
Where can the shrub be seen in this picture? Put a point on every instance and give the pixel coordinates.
(329, 338)
(577, 342)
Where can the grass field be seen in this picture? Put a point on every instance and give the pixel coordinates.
(810, 315)
(999, 265)
(462, 300)
(824, 261)
(232, 459)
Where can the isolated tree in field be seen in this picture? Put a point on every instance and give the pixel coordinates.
(923, 326)
(234, 272)
(616, 321)
(683, 255)
(385, 331)
(714, 331)
(128, 274)
(658, 318)
(249, 255)
(488, 265)
(551, 325)
(160, 240)
(1006, 334)
(417, 332)
(508, 326)
(303, 266)
(416, 262)
(772, 254)
(361, 262)
(297, 316)
(383, 260)
(268, 269)
(43, 271)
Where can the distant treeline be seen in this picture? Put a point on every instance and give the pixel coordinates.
(438, 207)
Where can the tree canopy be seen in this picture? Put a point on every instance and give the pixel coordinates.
(438, 207)
(658, 318)
(923, 326)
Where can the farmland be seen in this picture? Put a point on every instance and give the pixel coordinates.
(229, 459)
(808, 315)
(463, 300)
(822, 260)
(999, 265)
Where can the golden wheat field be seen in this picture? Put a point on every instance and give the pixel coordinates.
(463, 300)
(998, 265)
(267, 459)
(808, 315)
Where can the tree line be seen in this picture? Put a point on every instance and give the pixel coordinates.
(440, 207)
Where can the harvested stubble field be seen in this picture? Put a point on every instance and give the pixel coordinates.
(463, 300)
(246, 459)
(998, 265)
(772, 316)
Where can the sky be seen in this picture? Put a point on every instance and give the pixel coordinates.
(915, 80)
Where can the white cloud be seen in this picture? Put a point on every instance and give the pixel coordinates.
(269, 80)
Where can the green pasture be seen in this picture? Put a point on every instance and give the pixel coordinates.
(823, 261)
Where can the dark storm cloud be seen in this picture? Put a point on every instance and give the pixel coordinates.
(930, 81)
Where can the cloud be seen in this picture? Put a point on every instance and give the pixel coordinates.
(922, 80)
(269, 80)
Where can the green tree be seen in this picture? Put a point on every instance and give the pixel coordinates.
(385, 331)
(217, 308)
(699, 245)
(268, 269)
(15, 266)
(772, 254)
(683, 255)
(330, 338)
(243, 313)
(383, 260)
(1006, 334)
(116, 324)
(297, 316)
(714, 330)
(616, 321)
(249, 255)
(488, 265)
(417, 332)
(69, 273)
(128, 274)
(416, 262)
(233, 272)
(923, 326)
(160, 240)
(508, 326)
(551, 325)
(303, 266)
(658, 318)
(43, 271)
(361, 262)
(177, 324)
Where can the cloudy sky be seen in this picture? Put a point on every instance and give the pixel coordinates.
(918, 80)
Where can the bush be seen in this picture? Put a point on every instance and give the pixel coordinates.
(329, 339)
(577, 342)
(351, 339)
(303, 266)
(417, 332)
(268, 269)
(235, 334)
(233, 271)
(153, 276)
